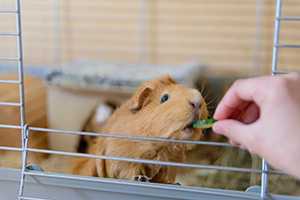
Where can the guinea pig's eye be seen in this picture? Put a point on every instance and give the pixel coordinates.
(164, 98)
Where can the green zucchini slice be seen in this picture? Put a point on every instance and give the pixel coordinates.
(204, 123)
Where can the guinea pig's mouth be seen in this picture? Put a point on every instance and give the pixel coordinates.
(189, 127)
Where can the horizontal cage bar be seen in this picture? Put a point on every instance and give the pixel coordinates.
(6, 148)
(129, 137)
(9, 82)
(32, 198)
(289, 18)
(9, 59)
(8, 11)
(9, 34)
(155, 162)
(293, 46)
(280, 72)
(10, 104)
(10, 126)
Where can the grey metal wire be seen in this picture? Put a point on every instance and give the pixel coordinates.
(279, 72)
(8, 11)
(130, 137)
(154, 162)
(291, 46)
(20, 64)
(10, 59)
(264, 171)
(9, 34)
(276, 36)
(25, 139)
(32, 198)
(264, 193)
(289, 18)
(10, 104)
(6, 148)
(9, 82)
(10, 126)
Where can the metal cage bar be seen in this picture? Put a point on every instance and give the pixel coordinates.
(290, 46)
(276, 36)
(289, 18)
(32, 198)
(264, 193)
(129, 137)
(154, 162)
(21, 103)
(25, 129)
(8, 11)
(10, 126)
(10, 104)
(10, 59)
(275, 56)
(9, 34)
(25, 138)
(20, 62)
(9, 82)
(10, 148)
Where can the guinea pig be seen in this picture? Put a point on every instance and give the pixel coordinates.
(158, 108)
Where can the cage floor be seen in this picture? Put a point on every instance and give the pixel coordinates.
(56, 186)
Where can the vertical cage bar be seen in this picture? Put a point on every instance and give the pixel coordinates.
(265, 167)
(264, 180)
(276, 36)
(25, 137)
(25, 130)
(20, 62)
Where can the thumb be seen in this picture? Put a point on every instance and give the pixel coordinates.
(234, 130)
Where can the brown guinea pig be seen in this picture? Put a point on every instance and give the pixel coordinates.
(159, 108)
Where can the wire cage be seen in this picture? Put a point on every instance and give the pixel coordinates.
(37, 185)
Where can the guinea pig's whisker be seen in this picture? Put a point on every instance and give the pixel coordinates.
(213, 100)
(203, 89)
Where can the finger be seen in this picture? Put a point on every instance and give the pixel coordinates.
(251, 114)
(238, 112)
(234, 130)
(234, 143)
(242, 92)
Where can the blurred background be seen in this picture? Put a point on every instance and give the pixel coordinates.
(231, 35)
(92, 54)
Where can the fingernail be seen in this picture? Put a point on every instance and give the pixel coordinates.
(217, 128)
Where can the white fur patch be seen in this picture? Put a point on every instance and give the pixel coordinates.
(103, 112)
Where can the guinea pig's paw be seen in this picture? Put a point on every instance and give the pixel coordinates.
(142, 178)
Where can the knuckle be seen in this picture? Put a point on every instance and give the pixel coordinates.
(280, 83)
(295, 75)
(279, 87)
(237, 83)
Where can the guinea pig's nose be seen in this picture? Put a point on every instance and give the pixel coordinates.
(195, 99)
(195, 104)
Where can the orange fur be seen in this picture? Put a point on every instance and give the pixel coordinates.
(144, 115)
(35, 107)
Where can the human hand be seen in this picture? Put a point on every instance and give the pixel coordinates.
(262, 115)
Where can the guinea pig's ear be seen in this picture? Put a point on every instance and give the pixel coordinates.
(140, 97)
(167, 79)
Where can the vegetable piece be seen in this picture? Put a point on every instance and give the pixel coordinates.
(204, 124)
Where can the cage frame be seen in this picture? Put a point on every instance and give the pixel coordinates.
(112, 185)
